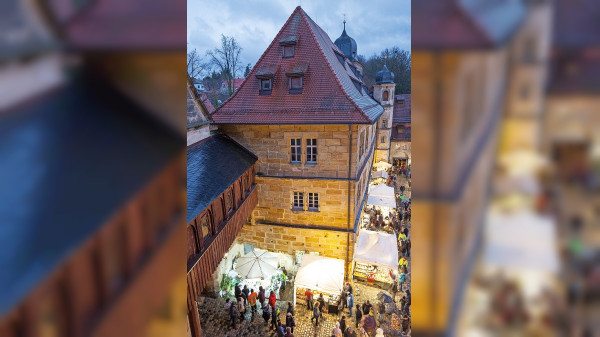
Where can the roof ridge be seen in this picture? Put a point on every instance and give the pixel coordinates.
(306, 18)
(469, 19)
(198, 101)
(254, 69)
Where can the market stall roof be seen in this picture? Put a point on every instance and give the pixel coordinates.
(377, 248)
(382, 165)
(521, 240)
(379, 174)
(321, 273)
(381, 195)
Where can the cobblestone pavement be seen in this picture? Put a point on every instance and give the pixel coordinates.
(214, 320)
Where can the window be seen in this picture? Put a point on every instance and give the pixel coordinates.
(313, 201)
(295, 85)
(404, 147)
(296, 150)
(382, 139)
(311, 150)
(362, 145)
(229, 202)
(288, 51)
(386, 95)
(384, 123)
(265, 87)
(205, 227)
(298, 200)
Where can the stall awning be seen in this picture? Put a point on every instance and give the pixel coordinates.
(377, 248)
(521, 240)
(321, 273)
(379, 174)
(381, 195)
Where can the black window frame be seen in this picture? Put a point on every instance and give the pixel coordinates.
(296, 150)
(265, 91)
(283, 48)
(296, 91)
(311, 150)
(313, 202)
(298, 201)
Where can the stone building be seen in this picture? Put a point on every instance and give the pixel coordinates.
(400, 149)
(571, 122)
(464, 62)
(383, 92)
(306, 114)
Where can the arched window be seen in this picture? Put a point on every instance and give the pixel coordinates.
(386, 95)
(229, 201)
(205, 226)
(192, 244)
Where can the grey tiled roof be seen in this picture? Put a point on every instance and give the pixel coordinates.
(212, 166)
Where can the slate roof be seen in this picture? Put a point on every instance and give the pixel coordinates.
(403, 136)
(213, 164)
(577, 73)
(464, 24)
(328, 96)
(401, 111)
(70, 160)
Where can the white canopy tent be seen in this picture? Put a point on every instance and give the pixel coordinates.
(381, 195)
(377, 248)
(320, 273)
(379, 174)
(521, 240)
(257, 264)
(382, 165)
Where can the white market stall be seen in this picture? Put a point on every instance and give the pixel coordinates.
(319, 273)
(524, 245)
(382, 165)
(381, 195)
(376, 253)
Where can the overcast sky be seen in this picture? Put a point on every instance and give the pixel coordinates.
(374, 24)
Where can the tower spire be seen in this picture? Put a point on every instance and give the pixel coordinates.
(344, 21)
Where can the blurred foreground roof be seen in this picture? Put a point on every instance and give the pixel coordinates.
(70, 160)
(464, 24)
(577, 23)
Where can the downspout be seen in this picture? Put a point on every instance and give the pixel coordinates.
(349, 199)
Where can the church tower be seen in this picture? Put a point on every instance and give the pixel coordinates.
(348, 46)
(383, 92)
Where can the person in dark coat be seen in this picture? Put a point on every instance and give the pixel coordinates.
(233, 314)
(290, 322)
(359, 314)
(261, 295)
(343, 323)
(274, 317)
(237, 291)
(265, 314)
(280, 329)
(245, 293)
(290, 309)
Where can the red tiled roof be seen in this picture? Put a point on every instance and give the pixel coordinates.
(401, 110)
(328, 95)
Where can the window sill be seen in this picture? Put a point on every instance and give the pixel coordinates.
(313, 210)
(264, 92)
(295, 162)
(296, 91)
(311, 163)
(297, 209)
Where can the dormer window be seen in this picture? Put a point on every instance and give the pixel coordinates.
(265, 86)
(289, 51)
(296, 85)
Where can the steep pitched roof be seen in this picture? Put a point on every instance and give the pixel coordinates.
(468, 24)
(329, 94)
(197, 112)
(212, 166)
(207, 103)
(401, 109)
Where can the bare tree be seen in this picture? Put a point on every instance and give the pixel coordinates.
(227, 59)
(196, 65)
